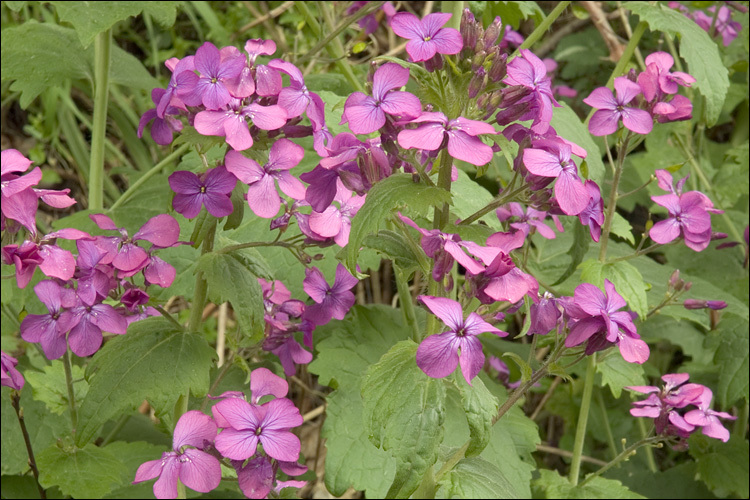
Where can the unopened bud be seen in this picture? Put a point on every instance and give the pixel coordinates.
(468, 33)
(688, 286)
(498, 68)
(716, 305)
(695, 304)
(435, 63)
(632, 75)
(477, 82)
(478, 60)
(675, 282)
(492, 32)
(318, 256)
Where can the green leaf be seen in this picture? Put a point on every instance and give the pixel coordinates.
(626, 278)
(404, 411)
(618, 373)
(43, 427)
(512, 13)
(392, 246)
(132, 455)
(91, 18)
(732, 357)
(696, 47)
(155, 360)
(480, 407)
(552, 485)
(88, 472)
(396, 192)
(232, 277)
(472, 197)
(475, 477)
(346, 350)
(51, 388)
(731, 180)
(622, 228)
(526, 370)
(578, 249)
(569, 126)
(722, 466)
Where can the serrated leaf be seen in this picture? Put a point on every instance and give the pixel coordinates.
(627, 280)
(404, 411)
(552, 485)
(231, 278)
(155, 360)
(732, 357)
(132, 455)
(618, 373)
(622, 228)
(475, 477)
(569, 126)
(392, 193)
(51, 388)
(43, 427)
(480, 407)
(347, 348)
(696, 47)
(88, 472)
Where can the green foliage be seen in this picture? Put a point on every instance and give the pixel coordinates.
(404, 410)
(618, 373)
(155, 360)
(698, 50)
(471, 197)
(552, 485)
(397, 192)
(732, 357)
(577, 251)
(85, 472)
(480, 407)
(475, 477)
(722, 466)
(233, 277)
(626, 278)
(50, 388)
(58, 56)
(569, 126)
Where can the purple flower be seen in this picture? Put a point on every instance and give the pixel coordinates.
(366, 114)
(544, 315)
(528, 220)
(232, 122)
(331, 301)
(611, 110)
(297, 99)
(50, 329)
(593, 214)
(268, 424)
(531, 89)
(438, 354)
(335, 222)
(461, 134)
(554, 161)
(195, 468)
(262, 196)
(91, 319)
(707, 418)
(592, 312)
(661, 404)
(658, 80)
(9, 375)
(209, 89)
(263, 382)
(724, 25)
(211, 189)
(501, 279)
(688, 216)
(164, 126)
(427, 37)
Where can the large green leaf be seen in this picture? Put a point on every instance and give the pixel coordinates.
(732, 357)
(480, 407)
(471, 197)
(92, 18)
(722, 466)
(132, 455)
(88, 472)
(397, 192)
(155, 360)
(696, 47)
(345, 352)
(404, 410)
(552, 485)
(569, 126)
(475, 477)
(231, 277)
(44, 428)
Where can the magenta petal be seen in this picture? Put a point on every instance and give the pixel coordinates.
(315, 284)
(281, 445)
(85, 338)
(407, 25)
(194, 429)
(420, 50)
(601, 98)
(264, 382)
(604, 122)
(402, 104)
(181, 182)
(200, 471)
(467, 148)
(437, 355)
(327, 224)
(633, 350)
(162, 230)
(665, 231)
(291, 186)
(285, 154)
(263, 198)
(237, 444)
(637, 120)
(245, 169)
(267, 117)
(388, 77)
(626, 90)
(220, 180)
(166, 485)
(218, 205)
(237, 133)
(13, 161)
(428, 136)
(212, 122)
(447, 40)
(449, 311)
(583, 330)
(541, 162)
(571, 195)
(148, 470)
(471, 358)
(294, 101)
(256, 478)
(131, 257)
(187, 204)
(281, 414)
(590, 298)
(57, 263)
(105, 317)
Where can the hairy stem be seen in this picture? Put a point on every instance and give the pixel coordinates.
(15, 398)
(407, 307)
(102, 46)
(583, 418)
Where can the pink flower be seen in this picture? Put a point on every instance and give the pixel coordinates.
(10, 376)
(707, 418)
(427, 37)
(611, 110)
(331, 301)
(211, 189)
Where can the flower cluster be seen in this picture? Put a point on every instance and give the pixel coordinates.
(668, 407)
(723, 26)
(242, 426)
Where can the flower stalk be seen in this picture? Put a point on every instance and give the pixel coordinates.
(15, 398)
(71, 391)
(583, 417)
(102, 46)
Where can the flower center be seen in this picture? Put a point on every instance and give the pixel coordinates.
(427, 38)
(203, 189)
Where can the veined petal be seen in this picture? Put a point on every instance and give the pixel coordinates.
(166, 485)
(419, 50)
(291, 186)
(285, 155)
(181, 182)
(449, 311)
(471, 358)
(601, 98)
(237, 133)
(407, 25)
(281, 414)
(402, 104)
(633, 350)
(541, 162)
(162, 230)
(589, 298)
(187, 204)
(281, 444)
(637, 120)
(388, 77)
(467, 148)
(447, 40)
(199, 471)
(245, 169)
(366, 118)
(428, 136)
(571, 195)
(194, 428)
(326, 224)
(437, 355)
(626, 90)
(263, 198)
(583, 330)
(604, 122)
(236, 444)
(665, 231)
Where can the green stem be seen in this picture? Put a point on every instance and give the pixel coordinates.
(453, 7)
(407, 307)
(612, 204)
(452, 461)
(345, 23)
(624, 60)
(252, 244)
(201, 287)
(627, 453)
(740, 425)
(71, 391)
(505, 197)
(148, 175)
(649, 452)
(118, 426)
(583, 418)
(540, 30)
(166, 314)
(15, 398)
(605, 419)
(102, 45)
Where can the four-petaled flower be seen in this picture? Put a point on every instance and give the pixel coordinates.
(427, 37)
(612, 109)
(439, 354)
(332, 301)
(211, 189)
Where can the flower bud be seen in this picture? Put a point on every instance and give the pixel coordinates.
(695, 304)
(467, 29)
(498, 68)
(435, 63)
(478, 60)
(492, 32)
(675, 282)
(477, 82)
(716, 304)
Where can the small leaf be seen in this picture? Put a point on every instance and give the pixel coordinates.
(577, 251)
(552, 485)
(622, 228)
(526, 370)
